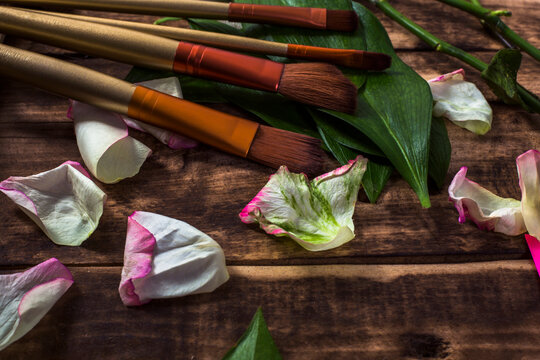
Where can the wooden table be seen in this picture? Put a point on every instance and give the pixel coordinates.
(413, 283)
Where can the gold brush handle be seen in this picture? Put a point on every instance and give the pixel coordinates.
(116, 43)
(225, 41)
(66, 79)
(188, 8)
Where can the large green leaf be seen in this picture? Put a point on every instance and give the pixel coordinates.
(256, 343)
(439, 152)
(394, 110)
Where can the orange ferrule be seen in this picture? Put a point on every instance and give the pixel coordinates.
(320, 53)
(223, 131)
(314, 18)
(227, 66)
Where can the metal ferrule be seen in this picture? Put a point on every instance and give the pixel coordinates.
(229, 67)
(314, 18)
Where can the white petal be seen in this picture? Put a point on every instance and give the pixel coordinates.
(487, 210)
(529, 182)
(105, 146)
(461, 102)
(166, 258)
(26, 297)
(170, 86)
(317, 215)
(63, 202)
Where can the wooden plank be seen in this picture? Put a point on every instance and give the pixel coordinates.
(461, 311)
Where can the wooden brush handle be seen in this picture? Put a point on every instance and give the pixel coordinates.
(226, 132)
(225, 41)
(66, 79)
(185, 8)
(129, 46)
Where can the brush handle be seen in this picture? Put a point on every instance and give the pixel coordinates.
(137, 48)
(183, 8)
(226, 132)
(314, 18)
(225, 41)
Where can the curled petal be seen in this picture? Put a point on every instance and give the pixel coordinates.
(487, 210)
(170, 86)
(26, 297)
(534, 248)
(105, 146)
(167, 258)
(63, 202)
(317, 215)
(461, 102)
(529, 182)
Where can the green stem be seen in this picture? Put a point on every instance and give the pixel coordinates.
(492, 19)
(442, 46)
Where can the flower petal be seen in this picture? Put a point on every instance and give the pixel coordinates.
(529, 182)
(105, 146)
(534, 248)
(487, 210)
(166, 258)
(63, 202)
(26, 297)
(461, 102)
(170, 86)
(317, 215)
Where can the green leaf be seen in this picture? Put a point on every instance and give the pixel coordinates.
(255, 343)
(439, 152)
(394, 110)
(214, 26)
(501, 75)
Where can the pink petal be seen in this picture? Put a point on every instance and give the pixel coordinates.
(534, 248)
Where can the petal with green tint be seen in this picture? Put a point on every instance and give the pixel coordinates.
(461, 102)
(64, 202)
(529, 182)
(487, 210)
(316, 214)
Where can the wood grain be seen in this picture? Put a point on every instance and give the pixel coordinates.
(461, 311)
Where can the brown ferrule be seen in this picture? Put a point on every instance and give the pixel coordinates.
(212, 127)
(314, 18)
(228, 67)
(307, 52)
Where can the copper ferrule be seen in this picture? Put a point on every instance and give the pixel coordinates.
(228, 67)
(314, 18)
(334, 56)
(223, 131)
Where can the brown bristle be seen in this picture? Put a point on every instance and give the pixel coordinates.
(341, 20)
(374, 61)
(320, 85)
(276, 147)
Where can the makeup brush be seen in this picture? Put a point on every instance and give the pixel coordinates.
(317, 84)
(263, 144)
(357, 59)
(314, 18)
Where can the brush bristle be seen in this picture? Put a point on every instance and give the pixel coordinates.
(320, 85)
(374, 61)
(341, 20)
(276, 147)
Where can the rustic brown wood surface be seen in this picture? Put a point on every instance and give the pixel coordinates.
(413, 283)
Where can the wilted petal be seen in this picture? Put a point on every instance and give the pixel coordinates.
(529, 182)
(487, 210)
(105, 146)
(461, 102)
(167, 258)
(63, 202)
(26, 297)
(170, 86)
(317, 215)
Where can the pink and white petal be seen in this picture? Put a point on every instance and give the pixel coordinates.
(168, 258)
(317, 215)
(487, 210)
(63, 202)
(529, 182)
(105, 146)
(534, 248)
(170, 86)
(461, 102)
(26, 297)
